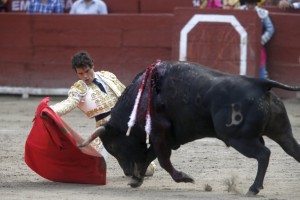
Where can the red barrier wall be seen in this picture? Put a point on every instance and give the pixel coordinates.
(36, 49)
(163, 6)
(123, 6)
(217, 43)
(284, 50)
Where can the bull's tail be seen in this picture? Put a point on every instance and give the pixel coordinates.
(269, 84)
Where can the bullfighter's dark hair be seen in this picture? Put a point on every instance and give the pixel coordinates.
(82, 59)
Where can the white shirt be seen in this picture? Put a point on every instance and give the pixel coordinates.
(91, 7)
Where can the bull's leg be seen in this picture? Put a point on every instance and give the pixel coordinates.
(254, 148)
(162, 148)
(165, 162)
(289, 145)
(281, 132)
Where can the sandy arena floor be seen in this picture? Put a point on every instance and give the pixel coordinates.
(209, 161)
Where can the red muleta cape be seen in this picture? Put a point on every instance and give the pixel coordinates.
(51, 151)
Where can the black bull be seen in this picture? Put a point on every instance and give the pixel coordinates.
(189, 102)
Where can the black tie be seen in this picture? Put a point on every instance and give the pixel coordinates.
(99, 85)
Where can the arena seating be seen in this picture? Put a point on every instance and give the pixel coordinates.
(117, 6)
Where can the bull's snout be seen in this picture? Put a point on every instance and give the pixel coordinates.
(128, 168)
(127, 173)
(135, 182)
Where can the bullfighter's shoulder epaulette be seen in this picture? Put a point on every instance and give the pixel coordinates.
(80, 87)
(108, 75)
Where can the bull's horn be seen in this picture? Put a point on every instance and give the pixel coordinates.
(100, 130)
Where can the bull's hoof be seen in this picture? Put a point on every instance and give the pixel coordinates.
(251, 193)
(183, 177)
(135, 182)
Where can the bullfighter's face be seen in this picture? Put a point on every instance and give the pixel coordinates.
(86, 74)
(129, 152)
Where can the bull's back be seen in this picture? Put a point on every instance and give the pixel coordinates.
(183, 87)
(194, 96)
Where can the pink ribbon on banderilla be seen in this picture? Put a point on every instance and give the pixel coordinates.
(131, 122)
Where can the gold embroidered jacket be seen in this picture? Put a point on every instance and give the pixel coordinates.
(89, 98)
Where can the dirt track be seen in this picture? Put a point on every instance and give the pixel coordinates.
(209, 161)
